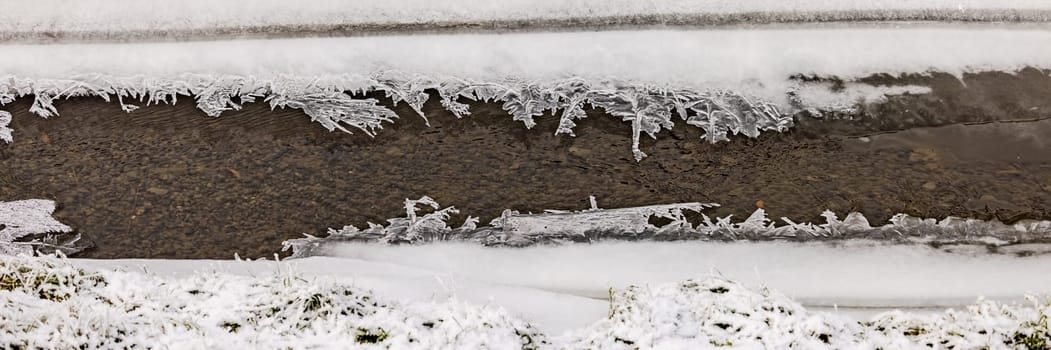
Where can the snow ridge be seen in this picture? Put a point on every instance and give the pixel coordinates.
(648, 108)
(633, 224)
(50, 20)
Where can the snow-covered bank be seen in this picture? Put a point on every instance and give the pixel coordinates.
(707, 59)
(50, 303)
(854, 277)
(145, 20)
(724, 81)
(854, 274)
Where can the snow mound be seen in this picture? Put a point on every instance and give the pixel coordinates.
(49, 303)
(633, 224)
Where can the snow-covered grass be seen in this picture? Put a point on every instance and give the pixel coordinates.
(56, 16)
(50, 303)
(717, 313)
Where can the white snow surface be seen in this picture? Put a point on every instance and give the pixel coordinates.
(130, 15)
(320, 303)
(558, 288)
(762, 59)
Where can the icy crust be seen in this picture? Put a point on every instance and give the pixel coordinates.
(32, 218)
(86, 19)
(328, 101)
(49, 303)
(634, 224)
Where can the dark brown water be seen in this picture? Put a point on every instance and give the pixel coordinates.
(169, 182)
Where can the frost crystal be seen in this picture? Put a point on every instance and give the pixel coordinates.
(633, 224)
(648, 109)
(24, 218)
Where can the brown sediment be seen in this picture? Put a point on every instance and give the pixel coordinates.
(169, 182)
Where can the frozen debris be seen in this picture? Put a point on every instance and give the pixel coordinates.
(50, 303)
(649, 109)
(634, 224)
(517, 229)
(32, 219)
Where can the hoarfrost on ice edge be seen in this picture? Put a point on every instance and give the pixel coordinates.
(24, 218)
(648, 108)
(633, 224)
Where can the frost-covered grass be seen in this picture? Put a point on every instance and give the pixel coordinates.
(717, 313)
(49, 303)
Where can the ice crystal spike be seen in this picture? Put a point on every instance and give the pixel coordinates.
(647, 109)
(23, 218)
(594, 224)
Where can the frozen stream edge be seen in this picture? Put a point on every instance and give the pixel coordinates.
(559, 288)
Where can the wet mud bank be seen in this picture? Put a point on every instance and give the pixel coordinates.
(170, 182)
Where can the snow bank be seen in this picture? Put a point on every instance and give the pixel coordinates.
(50, 303)
(726, 82)
(708, 59)
(855, 274)
(88, 19)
